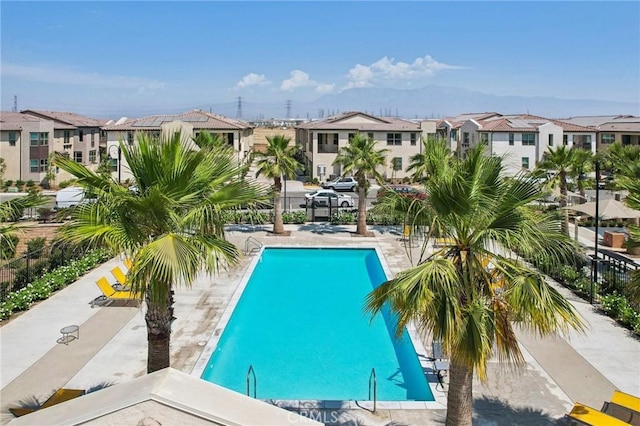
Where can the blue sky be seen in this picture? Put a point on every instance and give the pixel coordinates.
(103, 58)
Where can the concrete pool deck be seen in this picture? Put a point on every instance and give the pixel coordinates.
(112, 346)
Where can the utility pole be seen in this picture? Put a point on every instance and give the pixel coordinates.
(239, 110)
(15, 103)
(287, 104)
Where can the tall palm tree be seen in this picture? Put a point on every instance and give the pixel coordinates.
(560, 160)
(471, 293)
(582, 164)
(171, 226)
(276, 162)
(361, 159)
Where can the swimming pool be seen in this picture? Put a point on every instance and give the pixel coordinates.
(300, 323)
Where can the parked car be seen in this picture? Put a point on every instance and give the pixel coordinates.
(341, 184)
(322, 198)
(404, 190)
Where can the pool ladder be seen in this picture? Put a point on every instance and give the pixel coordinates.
(257, 245)
(251, 372)
(372, 376)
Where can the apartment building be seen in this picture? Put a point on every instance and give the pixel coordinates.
(623, 129)
(27, 139)
(236, 133)
(521, 140)
(321, 140)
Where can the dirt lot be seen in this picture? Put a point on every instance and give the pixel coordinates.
(260, 136)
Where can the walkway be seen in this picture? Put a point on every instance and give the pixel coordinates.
(112, 345)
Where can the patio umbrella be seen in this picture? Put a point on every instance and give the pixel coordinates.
(608, 209)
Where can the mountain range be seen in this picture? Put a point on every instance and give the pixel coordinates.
(426, 102)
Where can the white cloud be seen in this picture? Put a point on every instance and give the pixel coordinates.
(387, 69)
(68, 76)
(252, 79)
(298, 79)
(325, 88)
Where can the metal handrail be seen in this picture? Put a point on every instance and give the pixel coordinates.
(375, 388)
(251, 372)
(252, 240)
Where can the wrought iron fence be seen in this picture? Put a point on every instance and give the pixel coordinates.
(614, 270)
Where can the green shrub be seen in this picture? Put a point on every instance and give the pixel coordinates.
(8, 250)
(27, 273)
(30, 183)
(19, 183)
(66, 183)
(42, 287)
(7, 183)
(35, 246)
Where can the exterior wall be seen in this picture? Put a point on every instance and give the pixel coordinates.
(546, 131)
(513, 154)
(471, 128)
(632, 137)
(37, 153)
(11, 154)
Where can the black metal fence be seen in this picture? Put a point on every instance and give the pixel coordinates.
(614, 270)
(15, 274)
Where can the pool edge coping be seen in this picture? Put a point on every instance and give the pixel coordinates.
(440, 399)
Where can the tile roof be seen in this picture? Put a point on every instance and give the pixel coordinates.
(198, 118)
(342, 122)
(622, 126)
(13, 120)
(68, 118)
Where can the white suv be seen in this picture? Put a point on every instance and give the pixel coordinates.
(322, 197)
(341, 184)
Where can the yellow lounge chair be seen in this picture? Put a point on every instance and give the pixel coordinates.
(128, 263)
(119, 275)
(624, 407)
(61, 395)
(112, 294)
(584, 415)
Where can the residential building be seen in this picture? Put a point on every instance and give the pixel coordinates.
(623, 129)
(521, 140)
(321, 140)
(236, 133)
(27, 139)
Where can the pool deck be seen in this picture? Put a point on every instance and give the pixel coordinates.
(112, 346)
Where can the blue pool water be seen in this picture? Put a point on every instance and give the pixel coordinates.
(300, 322)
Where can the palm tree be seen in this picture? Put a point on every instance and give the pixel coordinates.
(170, 226)
(423, 165)
(361, 159)
(277, 161)
(582, 164)
(561, 161)
(11, 210)
(471, 293)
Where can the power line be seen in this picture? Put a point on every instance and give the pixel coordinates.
(239, 110)
(288, 106)
(15, 103)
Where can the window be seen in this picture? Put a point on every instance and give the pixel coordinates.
(565, 140)
(77, 156)
(335, 139)
(394, 139)
(413, 139)
(39, 139)
(92, 156)
(626, 139)
(351, 135)
(43, 164)
(370, 135)
(93, 138)
(130, 138)
(12, 138)
(454, 134)
(525, 163)
(484, 138)
(81, 136)
(551, 139)
(608, 138)
(511, 139)
(66, 140)
(528, 139)
(33, 166)
(38, 165)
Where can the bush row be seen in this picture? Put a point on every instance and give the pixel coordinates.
(41, 288)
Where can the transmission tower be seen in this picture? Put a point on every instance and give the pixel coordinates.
(15, 103)
(239, 110)
(287, 104)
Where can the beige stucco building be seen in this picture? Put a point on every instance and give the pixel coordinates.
(27, 138)
(236, 133)
(622, 129)
(522, 140)
(321, 140)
